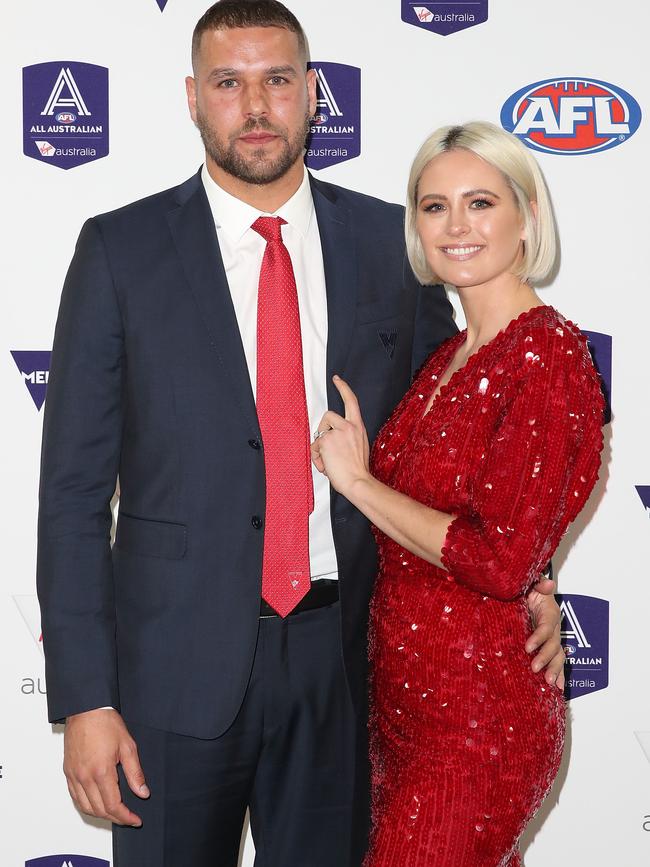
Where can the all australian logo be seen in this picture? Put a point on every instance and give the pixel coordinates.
(442, 17)
(571, 115)
(335, 130)
(65, 112)
(584, 629)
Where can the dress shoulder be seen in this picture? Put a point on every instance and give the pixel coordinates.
(542, 339)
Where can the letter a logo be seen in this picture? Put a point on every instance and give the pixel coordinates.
(57, 100)
(325, 97)
(570, 625)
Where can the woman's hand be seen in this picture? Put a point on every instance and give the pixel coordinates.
(342, 451)
(546, 617)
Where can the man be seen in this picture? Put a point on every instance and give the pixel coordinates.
(220, 647)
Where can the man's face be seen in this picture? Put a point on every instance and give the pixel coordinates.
(251, 99)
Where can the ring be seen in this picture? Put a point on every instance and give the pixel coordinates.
(320, 433)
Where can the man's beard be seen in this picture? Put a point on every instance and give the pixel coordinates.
(257, 168)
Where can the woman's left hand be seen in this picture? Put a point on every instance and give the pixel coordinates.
(342, 452)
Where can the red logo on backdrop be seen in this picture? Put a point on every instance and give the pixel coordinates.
(571, 115)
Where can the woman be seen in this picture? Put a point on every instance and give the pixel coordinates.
(470, 486)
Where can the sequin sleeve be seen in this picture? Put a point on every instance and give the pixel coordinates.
(536, 474)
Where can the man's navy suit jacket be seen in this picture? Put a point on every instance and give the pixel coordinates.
(149, 383)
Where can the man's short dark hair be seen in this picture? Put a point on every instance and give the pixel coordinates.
(228, 14)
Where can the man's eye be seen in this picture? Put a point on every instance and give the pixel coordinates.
(277, 79)
(227, 83)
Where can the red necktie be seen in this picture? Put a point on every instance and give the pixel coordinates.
(282, 413)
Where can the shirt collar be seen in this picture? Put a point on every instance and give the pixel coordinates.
(235, 217)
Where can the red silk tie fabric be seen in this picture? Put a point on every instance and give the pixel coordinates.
(282, 413)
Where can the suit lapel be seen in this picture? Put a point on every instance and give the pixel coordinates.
(340, 263)
(195, 238)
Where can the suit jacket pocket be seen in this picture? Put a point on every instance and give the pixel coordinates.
(375, 311)
(151, 538)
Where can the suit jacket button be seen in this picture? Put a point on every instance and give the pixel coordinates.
(256, 521)
(255, 444)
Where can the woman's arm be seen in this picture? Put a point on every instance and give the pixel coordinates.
(347, 456)
(541, 466)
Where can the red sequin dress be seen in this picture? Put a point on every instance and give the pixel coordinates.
(465, 739)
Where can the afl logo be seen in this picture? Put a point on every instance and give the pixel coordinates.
(571, 115)
(66, 117)
(320, 118)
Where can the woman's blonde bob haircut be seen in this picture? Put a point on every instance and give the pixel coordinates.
(514, 160)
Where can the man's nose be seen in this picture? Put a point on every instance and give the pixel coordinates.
(255, 103)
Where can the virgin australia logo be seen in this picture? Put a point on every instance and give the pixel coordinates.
(443, 17)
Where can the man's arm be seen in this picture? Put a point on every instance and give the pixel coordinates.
(79, 466)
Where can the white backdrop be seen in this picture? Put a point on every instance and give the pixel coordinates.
(412, 81)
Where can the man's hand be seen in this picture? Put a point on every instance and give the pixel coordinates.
(545, 613)
(95, 743)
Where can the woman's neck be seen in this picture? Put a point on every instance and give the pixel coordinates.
(491, 306)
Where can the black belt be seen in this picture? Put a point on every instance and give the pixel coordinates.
(322, 592)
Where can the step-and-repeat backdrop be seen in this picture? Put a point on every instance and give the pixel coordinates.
(95, 116)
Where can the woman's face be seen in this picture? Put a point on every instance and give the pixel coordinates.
(467, 219)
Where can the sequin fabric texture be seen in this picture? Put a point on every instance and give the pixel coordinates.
(465, 739)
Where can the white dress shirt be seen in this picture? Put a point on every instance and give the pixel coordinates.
(242, 250)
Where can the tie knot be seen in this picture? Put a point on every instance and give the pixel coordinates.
(269, 228)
